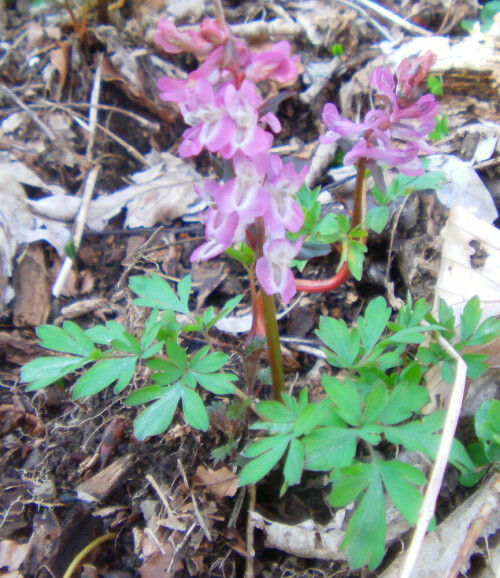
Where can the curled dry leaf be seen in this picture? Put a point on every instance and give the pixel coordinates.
(470, 266)
(220, 483)
(311, 540)
(19, 225)
(470, 263)
(464, 187)
(12, 556)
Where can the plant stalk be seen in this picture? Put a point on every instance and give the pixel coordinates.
(270, 324)
(273, 345)
(359, 210)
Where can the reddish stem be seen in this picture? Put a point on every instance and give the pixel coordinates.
(324, 284)
(357, 218)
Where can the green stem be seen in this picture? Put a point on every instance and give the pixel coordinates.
(273, 345)
(270, 324)
(359, 209)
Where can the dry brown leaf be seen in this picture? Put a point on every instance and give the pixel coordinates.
(159, 564)
(220, 483)
(60, 58)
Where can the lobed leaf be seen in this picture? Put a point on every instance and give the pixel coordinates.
(104, 373)
(328, 448)
(46, 370)
(262, 465)
(365, 535)
(156, 418)
(194, 410)
(156, 293)
(67, 340)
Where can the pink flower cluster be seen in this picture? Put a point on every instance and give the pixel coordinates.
(221, 103)
(394, 134)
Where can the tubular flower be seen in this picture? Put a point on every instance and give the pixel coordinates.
(394, 134)
(220, 230)
(273, 269)
(201, 42)
(282, 184)
(221, 104)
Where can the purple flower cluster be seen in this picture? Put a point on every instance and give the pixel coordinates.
(393, 134)
(221, 102)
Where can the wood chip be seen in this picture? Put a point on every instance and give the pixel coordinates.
(107, 481)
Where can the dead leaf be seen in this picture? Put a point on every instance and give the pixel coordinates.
(460, 277)
(32, 285)
(221, 483)
(12, 556)
(159, 564)
(311, 540)
(441, 547)
(162, 192)
(464, 187)
(59, 58)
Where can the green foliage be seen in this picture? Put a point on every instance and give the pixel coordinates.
(377, 400)
(486, 450)
(441, 129)
(487, 17)
(403, 185)
(472, 333)
(337, 50)
(113, 355)
(435, 84)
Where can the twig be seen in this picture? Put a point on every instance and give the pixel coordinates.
(34, 117)
(394, 18)
(160, 493)
(476, 529)
(197, 513)
(375, 23)
(180, 545)
(80, 120)
(431, 495)
(79, 226)
(322, 158)
(259, 28)
(144, 122)
(93, 111)
(237, 508)
(249, 570)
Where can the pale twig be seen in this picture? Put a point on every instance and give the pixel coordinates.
(237, 508)
(180, 545)
(249, 570)
(34, 117)
(431, 495)
(79, 226)
(273, 28)
(197, 513)
(93, 111)
(375, 23)
(394, 18)
(144, 122)
(161, 495)
(79, 119)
